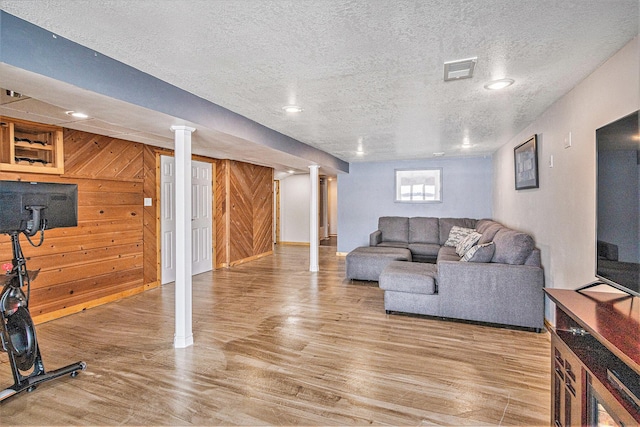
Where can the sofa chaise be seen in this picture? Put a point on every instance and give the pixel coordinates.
(500, 283)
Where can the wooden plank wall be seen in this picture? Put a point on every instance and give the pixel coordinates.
(245, 204)
(102, 258)
(114, 251)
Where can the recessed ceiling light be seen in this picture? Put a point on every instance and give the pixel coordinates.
(290, 171)
(292, 109)
(77, 115)
(438, 154)
(499, 84)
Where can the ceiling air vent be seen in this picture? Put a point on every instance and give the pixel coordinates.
(461, 69)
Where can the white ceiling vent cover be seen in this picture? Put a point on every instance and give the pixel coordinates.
(461, 69)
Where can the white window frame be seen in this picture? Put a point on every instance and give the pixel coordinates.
(418, 185)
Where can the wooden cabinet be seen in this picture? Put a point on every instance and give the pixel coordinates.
(30, 147)
(595, 359)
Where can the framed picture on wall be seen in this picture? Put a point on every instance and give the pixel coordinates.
(526, 164)
(419, 185)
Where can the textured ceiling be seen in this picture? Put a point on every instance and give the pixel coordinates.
(366, 73)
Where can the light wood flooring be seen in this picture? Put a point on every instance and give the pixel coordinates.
(278, 345)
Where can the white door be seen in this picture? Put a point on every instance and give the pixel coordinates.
(201, 217)
(201, 222)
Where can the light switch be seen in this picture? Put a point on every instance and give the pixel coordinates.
(148, 201)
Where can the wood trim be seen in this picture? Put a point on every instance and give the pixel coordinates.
(227, 219)
(158, 213)
(111, 178)
(277, 208)
(214, 240)
(342, 253)
(295, 243)
(251, 258)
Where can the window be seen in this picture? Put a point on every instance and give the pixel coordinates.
(419, 185)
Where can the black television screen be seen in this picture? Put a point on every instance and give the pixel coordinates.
(60, 203)
(618, 200)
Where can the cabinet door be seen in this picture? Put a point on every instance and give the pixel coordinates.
(567, 380)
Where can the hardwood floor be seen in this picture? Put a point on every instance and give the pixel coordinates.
(278, 345)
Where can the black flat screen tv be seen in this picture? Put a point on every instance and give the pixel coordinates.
(618, 204)
(58, 205)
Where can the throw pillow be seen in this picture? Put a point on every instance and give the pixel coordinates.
(457, 234)
(467, 243)
(512, 247)
(480, 253)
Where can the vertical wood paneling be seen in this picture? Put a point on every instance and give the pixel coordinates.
(97, 156)
(263, 211)
(221, 215)
(251, 210)
(103, 256)
(241, 210)
(114, 250)
(244, 212)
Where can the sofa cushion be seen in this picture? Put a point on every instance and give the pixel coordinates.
(411, 277)
(457, 235)
(512, 247)
(467, 243)
(480, 253)
(367, 262)
(445, 224)
(424, 230)
(482, 224)
(424, 249)
(489, 233)
(392, 244)
(448, 253)
(394, 228)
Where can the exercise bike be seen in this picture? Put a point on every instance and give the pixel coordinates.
(17, 331)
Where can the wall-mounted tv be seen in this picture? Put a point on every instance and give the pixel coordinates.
(618, 204)
(57, 203)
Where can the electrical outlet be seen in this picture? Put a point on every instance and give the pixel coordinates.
(148, 201)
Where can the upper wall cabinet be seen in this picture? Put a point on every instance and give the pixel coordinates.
(30, 147)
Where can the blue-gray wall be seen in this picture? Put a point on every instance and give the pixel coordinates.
(367, 193)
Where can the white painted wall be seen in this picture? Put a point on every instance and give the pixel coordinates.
(561, 213)
(294, 209)
(333, 207)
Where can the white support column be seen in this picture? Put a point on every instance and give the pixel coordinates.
(314, 241)
(184, 334)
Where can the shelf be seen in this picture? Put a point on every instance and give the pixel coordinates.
(31, 147)
(25, 146)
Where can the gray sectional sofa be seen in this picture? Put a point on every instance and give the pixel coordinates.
(500, 283)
